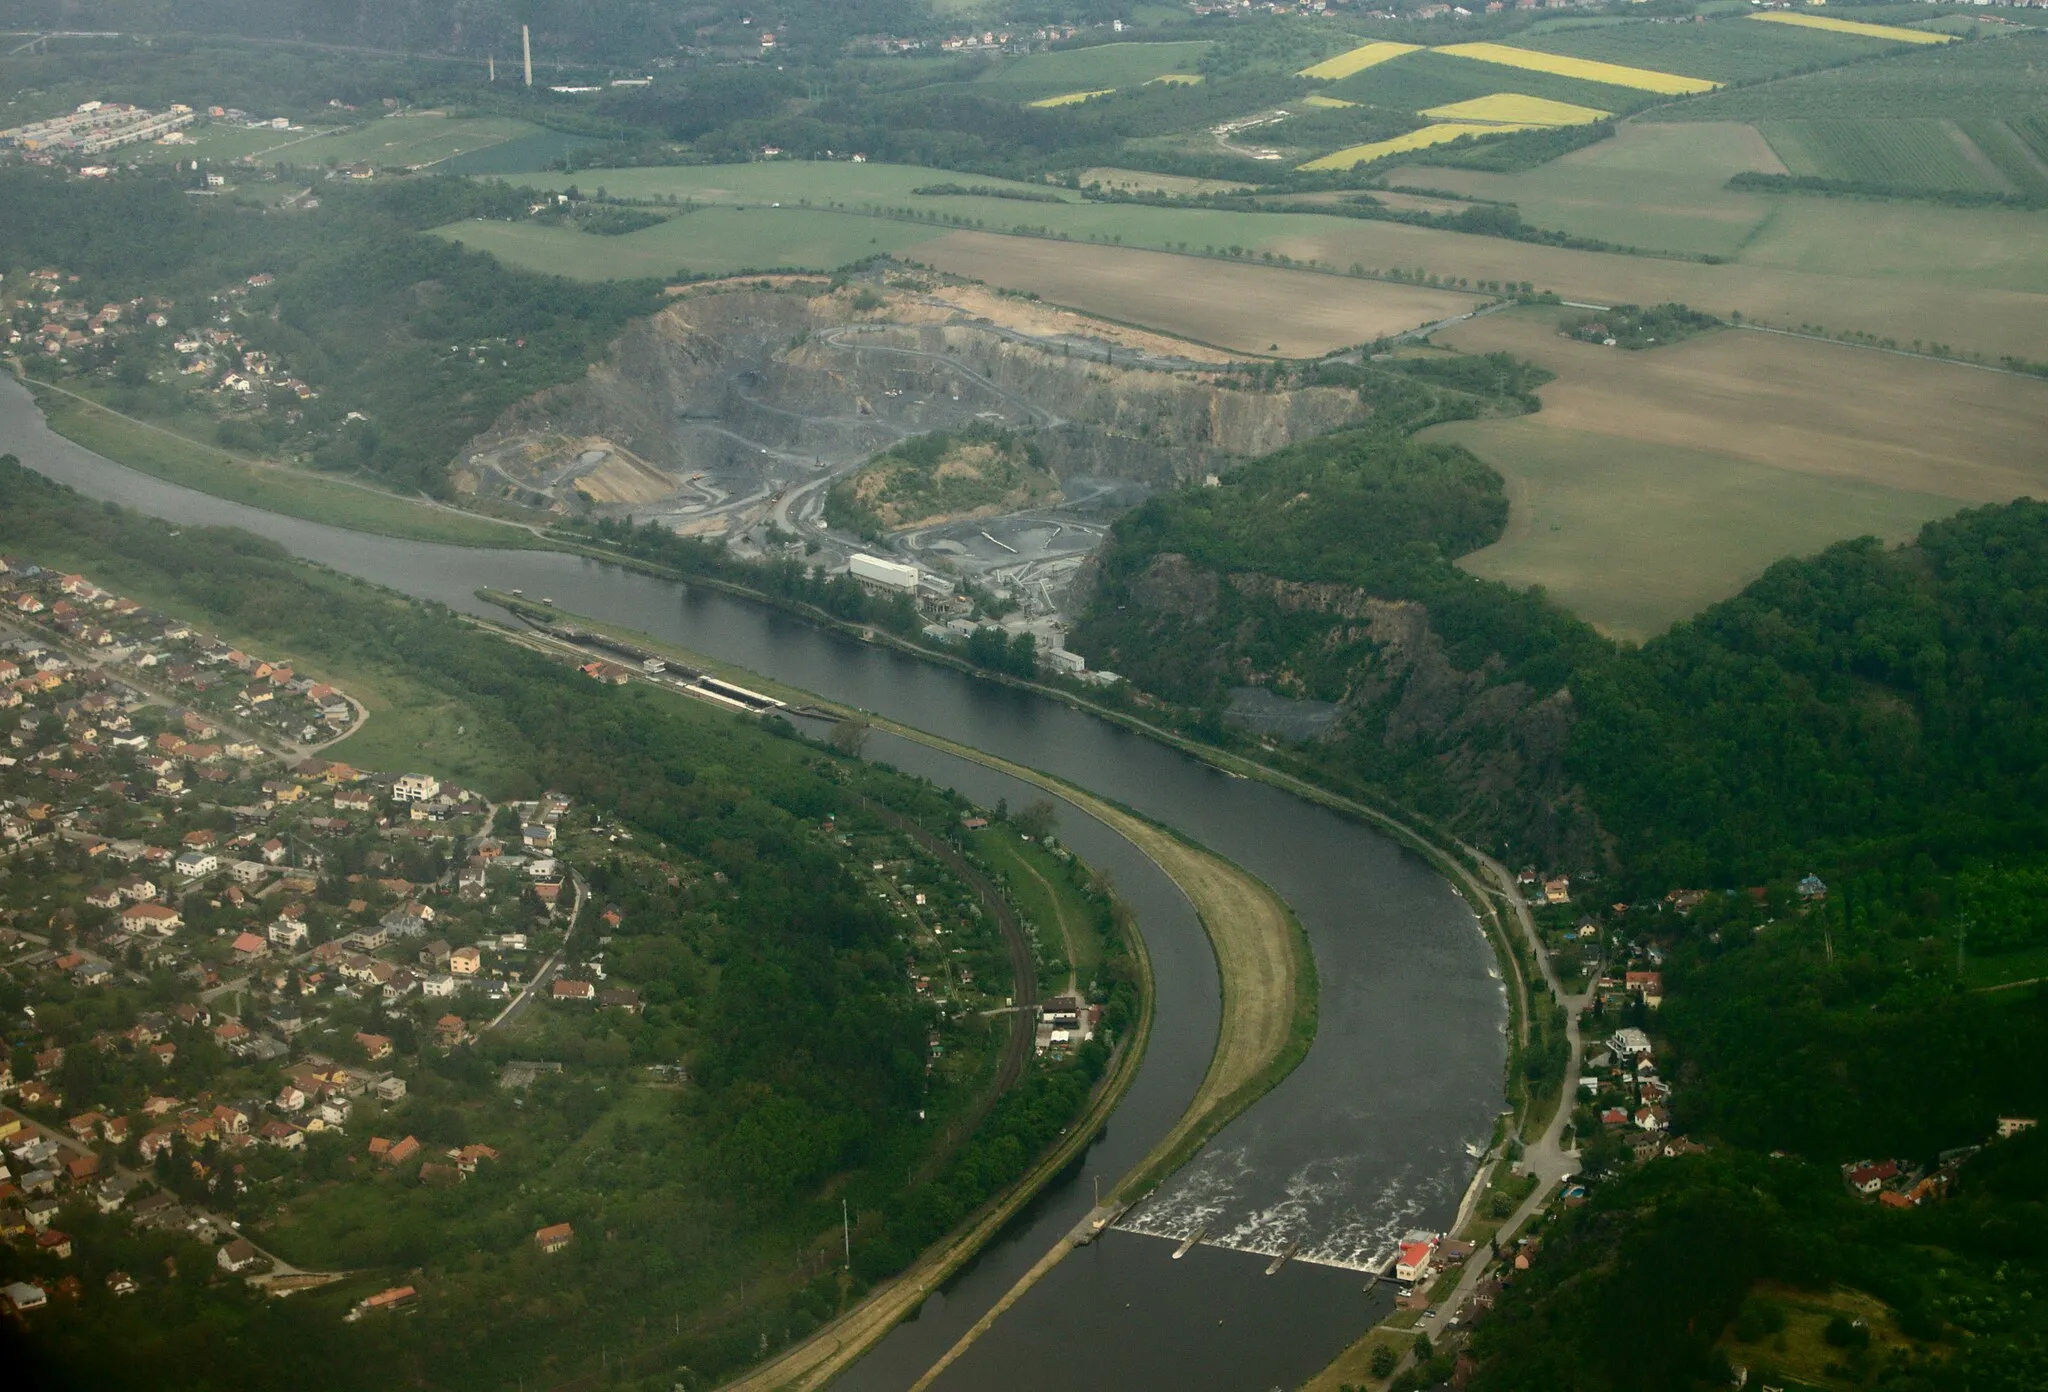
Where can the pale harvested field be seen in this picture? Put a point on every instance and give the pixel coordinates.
(1817, 408)
(1143, 181)
(1655, 483)
(1252, 308)
(1039, 319)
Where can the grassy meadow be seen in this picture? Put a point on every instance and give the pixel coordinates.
(1653, 483)
(714, 241)
(415, 140)
(1633, 536)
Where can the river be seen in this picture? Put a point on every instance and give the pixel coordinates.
(1363, 1141)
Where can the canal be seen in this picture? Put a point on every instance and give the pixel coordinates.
(1362, 1142)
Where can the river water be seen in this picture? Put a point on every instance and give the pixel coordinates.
(1362, 1142)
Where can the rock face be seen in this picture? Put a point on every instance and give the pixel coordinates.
(1484, 755)
(740, 384)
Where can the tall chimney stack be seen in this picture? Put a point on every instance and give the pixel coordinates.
(493, 61)
(526, 47)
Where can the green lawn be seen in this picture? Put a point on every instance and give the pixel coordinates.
(219, 142)
(275, 488)
(1089, 69)
(716, 241)
(413, 140)
(1595, 520)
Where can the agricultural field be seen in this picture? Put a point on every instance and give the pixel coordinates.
(1917, 154)
(1143, 181)
(1621, 513)
(1997, 78)
(817, 182)
(1356, 60)
(1442, 133)
(1070, 98)
(416, 140)
(1430, 77)
(1514, 109)
(715, 241)
(1660, 187)
(1726, 50)
(1582, 69)
(1105, 67)
(1887, 33)
(1974, 278)
(1249, 308)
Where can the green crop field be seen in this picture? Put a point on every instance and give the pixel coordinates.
(1418, 81)
(1999, 78)
(1912, 154)
(1106, 66)
(1727, 50)
(1659, 187)
(713, 241)
(412, 141)
(1904, 244)
(795, 181)
(2017, 149)
(1633, 537)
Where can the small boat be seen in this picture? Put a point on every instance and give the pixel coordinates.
(1188, 1245)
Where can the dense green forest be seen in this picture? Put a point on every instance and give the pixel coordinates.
(764, 961)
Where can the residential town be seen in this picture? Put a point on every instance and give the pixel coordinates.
(228, 964)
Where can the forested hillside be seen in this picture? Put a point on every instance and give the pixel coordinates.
(422, 341)
(1874, 716)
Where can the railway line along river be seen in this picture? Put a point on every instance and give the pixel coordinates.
(1363, 1141)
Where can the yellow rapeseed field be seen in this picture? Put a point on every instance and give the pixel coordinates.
(1328, 103)
(1512, 108)
(1414, 140)
(1857, 26)
(1585, 69)
(1357, 60)
(1069, 98)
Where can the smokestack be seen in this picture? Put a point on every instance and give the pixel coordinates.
(493, 61)
(526, 47)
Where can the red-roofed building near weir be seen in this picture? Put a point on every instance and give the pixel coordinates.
(1412, 1261)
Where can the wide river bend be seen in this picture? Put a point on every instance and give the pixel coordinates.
(1362, 1142)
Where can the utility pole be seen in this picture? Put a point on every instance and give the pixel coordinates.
(846, 1231)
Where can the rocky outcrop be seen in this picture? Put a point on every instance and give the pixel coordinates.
(1483, 753)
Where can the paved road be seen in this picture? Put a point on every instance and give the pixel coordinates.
(547, 971)
(1544, 1157)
